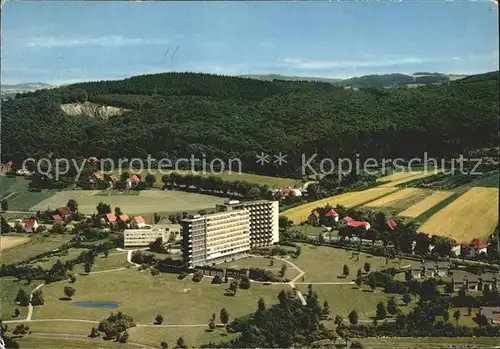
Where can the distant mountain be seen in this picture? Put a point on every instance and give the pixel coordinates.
(370, 81)
(12, 90)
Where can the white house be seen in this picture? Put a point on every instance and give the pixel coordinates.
(30, 226)
(477, 247)
(456, 248)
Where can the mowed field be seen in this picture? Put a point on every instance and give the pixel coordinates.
(7, 242)
(146, 201)
(273, 182)
(16, 191)
(300, 213)
(426, 204)
(473, 215)
(403, 177)
(401, 199)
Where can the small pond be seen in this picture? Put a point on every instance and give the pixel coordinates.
(111, 305)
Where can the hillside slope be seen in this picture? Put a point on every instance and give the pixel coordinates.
(179, 114)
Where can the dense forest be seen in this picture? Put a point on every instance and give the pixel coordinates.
(179, 114)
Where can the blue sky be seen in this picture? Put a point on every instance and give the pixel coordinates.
(62, 42)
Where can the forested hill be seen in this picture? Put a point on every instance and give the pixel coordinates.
(179, 114)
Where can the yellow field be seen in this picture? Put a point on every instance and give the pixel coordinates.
(7, 242)
(300, 213)
(473, 215)
(393, 198)
(430, 201)
(400, 178)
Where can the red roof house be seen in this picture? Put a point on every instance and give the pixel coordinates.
(331, 213)
(316, 213)
(139, 221)
(134, 178)
(56, 218)
(391, 224)
(347, 219)
(111, 217)
(478, 244)
(10, 163)
(30, 226)
(64, 212)
(356, 224)
(123, 217)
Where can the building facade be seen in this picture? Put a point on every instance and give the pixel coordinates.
(216, 237)
(142, 237)
(264, 220)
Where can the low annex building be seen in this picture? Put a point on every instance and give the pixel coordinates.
(142, 237)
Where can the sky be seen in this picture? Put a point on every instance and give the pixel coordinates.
(64, 42)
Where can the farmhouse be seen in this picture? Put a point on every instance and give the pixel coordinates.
(64, 212)
(477, 247)
(392, 224)
(30, 226)
(138, 222)
(111, 218)
(456, 248)
(313, 218)
(334, 214)
(491, 313)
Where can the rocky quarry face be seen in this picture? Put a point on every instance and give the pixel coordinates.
(91, 110)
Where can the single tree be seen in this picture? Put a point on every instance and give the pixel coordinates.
(261, 305)
(217, 280)
(94, 333)
(345, 271)
(359, 273)
(181, 344)
(69, 291)
(406, 298)
(457, 315)
(359, 281)
(211, 325)
(321, 238)
(446, 316)
(233, 287)
(271, 262)
(392, 306)
(353, 317)
(372, 282)
(72, 278)
(164, 345)
(159, 319)
(381, 311)
(87, 267)
(23, 298)
(123, 337)
(213, 317)
(282, 270)
(224, 316)
(118, 211)
(17, 312)
(106, 253)
(338, 320)
(37, 298)
(367, 267)
(326, 310)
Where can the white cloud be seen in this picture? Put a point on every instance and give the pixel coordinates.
(111, 40)
(304, 64)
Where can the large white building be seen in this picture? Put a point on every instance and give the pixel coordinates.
(231, 231)
(142, 237)
(215, 237)
(264, 220)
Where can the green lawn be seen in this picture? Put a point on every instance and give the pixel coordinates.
(273, 182)
(263, 263)
(144, 296)
(194, 337)
(324, 264)
(146, 201)
(8, 292)
(113, 261)
(427, 342)
(21, 199)
(38, 244)
(48, 262)
(30, 342)
(342, 299)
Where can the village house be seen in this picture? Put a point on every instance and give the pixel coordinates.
(288, 192)
(56, 218)
(456, 248)
(416, 271)
(132, 181)
(64, 212)
(350, 222)
(430, 269)
(313, 218)
(111, 218)
(30, 226)
(138, 222)
(492, 280)
(334, 214)
(469, 282)
(492, 314)
(391, 223)
(476, 247)
(124, 218)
